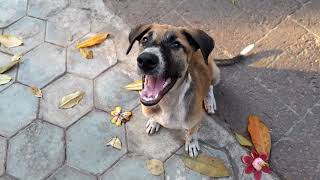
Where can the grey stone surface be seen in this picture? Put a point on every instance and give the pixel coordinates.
(4, 59)
(104, 56)
(86, 143)
(7, 177)
(18, 108)
(130, 167)
(3, 151)
(45, 8)
(36, 151)
(65, 28)
(158, 146)
(175, 169)
(11, 11)
(52, 95)
(69, 173)
(109, 90)
(42, 65)
(30, 30)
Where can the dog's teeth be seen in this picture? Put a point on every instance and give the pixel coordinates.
(157, 96)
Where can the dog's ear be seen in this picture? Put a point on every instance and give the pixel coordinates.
(198, 39)
(137, 33)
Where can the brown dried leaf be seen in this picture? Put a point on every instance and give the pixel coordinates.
(71, 100)
(135, 86)
(94, 40)
(10, 41)
(242, 140)
(115, 142)
(88, 54)
(4, 79)
(155, 167)
(36, 91)
(260, 135)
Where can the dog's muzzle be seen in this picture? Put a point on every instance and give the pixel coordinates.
(147, 62)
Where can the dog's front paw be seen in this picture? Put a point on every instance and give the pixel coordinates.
(210, 103)
(192, 147)
(152, 127)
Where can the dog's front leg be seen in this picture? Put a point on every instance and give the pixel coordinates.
(192, 145)
(152, 126)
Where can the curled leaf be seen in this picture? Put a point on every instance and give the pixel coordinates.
(88, 54)
(9, 65)
(71, 100)
(135, 86)
(36, 91)
(206, 165)
(10, 41)
(260, 135)
(4, 79)
(115, 142)
(16, 57)
(155, 167)
(94, 40)
(242, 140)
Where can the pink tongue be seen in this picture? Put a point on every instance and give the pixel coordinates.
(153, 85)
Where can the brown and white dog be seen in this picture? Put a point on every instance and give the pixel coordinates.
(178, 73)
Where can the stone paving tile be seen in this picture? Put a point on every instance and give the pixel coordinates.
(30, 30)
(4, 59)
(11, 11)
(45, 8)
(3, 150)
(109, 90)
(36, 151)
(86, 143)
(65, 28)
(6, 177)
(42, 65)
(175, 169)
(52, 95)
(18, 108)
(68, 173)
(130, 167)
(301, 149)
(159, 146)
(173, 18)
(104, 56)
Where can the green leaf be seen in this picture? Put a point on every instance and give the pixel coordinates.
(242, 140)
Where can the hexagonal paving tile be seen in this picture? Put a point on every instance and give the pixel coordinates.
(175, 168)
(7, 177)
(109, 91)
(52, 95)
(11, 11)
(104, 56)
(36, 151)
(130, 167)
(3, 149)
(159, 146)
(4, 59)
(86, 142)
(45, 8)
(42, 65)
(64, 28)
(18, 108)
(68, 173)
(29, 29)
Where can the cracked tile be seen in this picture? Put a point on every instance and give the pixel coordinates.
(68, 173)
(4, 59)
(45, 8)
(11, 11)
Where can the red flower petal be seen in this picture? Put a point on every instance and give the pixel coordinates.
(264, 157)
(266, 169)
(257, 175)
(247, 159)
(249, 169)
(254, 154)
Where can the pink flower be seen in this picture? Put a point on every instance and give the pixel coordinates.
(256, 164)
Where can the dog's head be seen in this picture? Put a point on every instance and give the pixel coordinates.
(165, 55)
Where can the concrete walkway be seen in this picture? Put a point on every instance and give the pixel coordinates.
(279, 82)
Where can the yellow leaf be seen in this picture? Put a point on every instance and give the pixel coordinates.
(88, 54)
(94, 40)
(155, 167)
(115, 142)
(9, 65)
(4, 79)
(71, 100)
(36, 91)
(206, 165)
(10, 41)
(242, 140)
(260, 135)
(135, 86)
(16, 57)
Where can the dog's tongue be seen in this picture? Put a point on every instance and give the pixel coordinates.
(152, 86)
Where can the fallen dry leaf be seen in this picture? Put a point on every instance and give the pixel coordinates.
(242, 140)
(155, 167)
(94, 40)
(206, 165)
(71, 100)
(135, 86)
(10, 41)
(4, 79)
(115, 142)
(88, 54)
(16, 57)
(260, 135)
(36, 91)
(9, 65)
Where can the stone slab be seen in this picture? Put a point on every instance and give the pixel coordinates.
(11, 11)
(69, 173)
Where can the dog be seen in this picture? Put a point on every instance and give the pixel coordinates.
(178, 74)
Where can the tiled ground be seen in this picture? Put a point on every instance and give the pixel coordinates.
(280, 82)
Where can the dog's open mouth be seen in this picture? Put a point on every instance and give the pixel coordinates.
(154, 88)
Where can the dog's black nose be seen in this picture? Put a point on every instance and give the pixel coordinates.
(147, 61)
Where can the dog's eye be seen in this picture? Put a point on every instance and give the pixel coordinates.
(176, 45)
(145, 39)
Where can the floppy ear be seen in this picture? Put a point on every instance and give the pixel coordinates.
(137, 33)
(198, 39)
